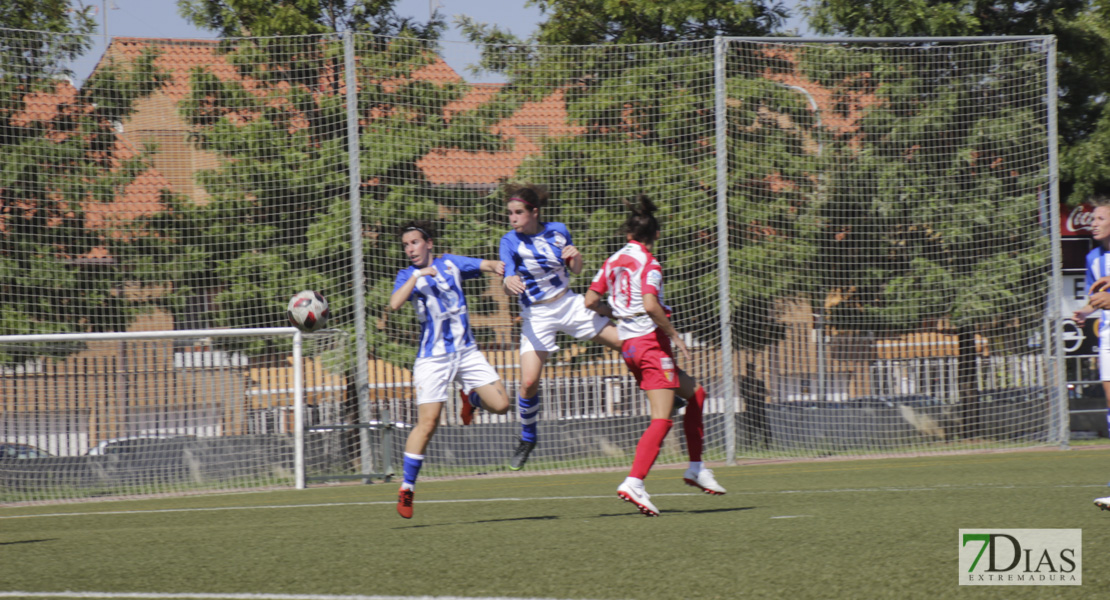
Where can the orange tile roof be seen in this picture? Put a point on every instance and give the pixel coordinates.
(840, 109)
(45, 106)
(445, 166)
(524, 130)
(140, 197)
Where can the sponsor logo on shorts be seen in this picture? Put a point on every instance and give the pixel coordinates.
(667, 364)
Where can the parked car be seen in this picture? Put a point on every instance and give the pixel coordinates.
(14, 450)
(126, 445)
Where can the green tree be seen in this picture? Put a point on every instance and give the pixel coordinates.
(277, 217)
(266, 18)
(1085, 164)
(637, 105)
(59, 163)
(581, 22)
(1083, 41)
(929, 213)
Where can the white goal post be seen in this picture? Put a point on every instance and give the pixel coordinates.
(158, 412)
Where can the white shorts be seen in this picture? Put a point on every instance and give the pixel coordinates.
(1104, 355)
(434, 375)
(568, 315)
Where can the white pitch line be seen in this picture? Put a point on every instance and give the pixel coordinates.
(321, 505)
(521, 499)
(203, 596)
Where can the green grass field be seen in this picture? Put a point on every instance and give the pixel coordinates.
(836, 529)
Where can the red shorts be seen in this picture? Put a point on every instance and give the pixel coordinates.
(651, 360)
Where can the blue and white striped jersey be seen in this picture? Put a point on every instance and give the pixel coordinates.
(538, 260)
(440, 304)
(1098, 265)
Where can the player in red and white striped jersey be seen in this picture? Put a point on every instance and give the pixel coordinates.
(633, 280)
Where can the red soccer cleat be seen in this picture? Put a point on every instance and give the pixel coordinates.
(466, 413)
(404, 503)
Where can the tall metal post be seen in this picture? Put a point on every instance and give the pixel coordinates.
(358, 273)
(298, 410)
(1053, 343)
(727, 391)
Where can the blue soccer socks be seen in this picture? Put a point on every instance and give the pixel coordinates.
(412, 465)
(529, 417)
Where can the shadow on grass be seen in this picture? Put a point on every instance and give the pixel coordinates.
(712, 510)
(680, 511)
(543, 518)
(28, 542)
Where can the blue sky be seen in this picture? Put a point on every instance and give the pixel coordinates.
(159, 18)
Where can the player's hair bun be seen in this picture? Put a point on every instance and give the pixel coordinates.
(641, 205)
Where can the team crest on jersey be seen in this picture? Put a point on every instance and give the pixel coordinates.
(667, 364)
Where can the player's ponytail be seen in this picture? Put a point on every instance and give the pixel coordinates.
(641, 224)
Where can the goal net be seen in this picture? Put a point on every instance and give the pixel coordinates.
(857, 236)
(161, 412)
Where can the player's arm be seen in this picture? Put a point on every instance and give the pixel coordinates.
(1099, 285)
(403, 293)
(595, 303)
(1101, 300)
(1098, 297)
(655, 310)
(513, 284)
(572, 258)
(1080, 316)
(493, 266)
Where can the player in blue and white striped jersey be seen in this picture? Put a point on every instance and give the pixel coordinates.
(539, 258)
(447, 350)
(1098, 274)
(1098, 298)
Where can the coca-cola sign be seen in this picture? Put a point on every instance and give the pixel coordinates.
(1076, 221)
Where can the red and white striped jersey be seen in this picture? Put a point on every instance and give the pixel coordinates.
(627, 275)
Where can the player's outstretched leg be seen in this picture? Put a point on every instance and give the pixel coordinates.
(647, 450)
(1103, 503)
(697, 475)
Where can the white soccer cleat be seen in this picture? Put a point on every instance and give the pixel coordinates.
(1103, 503)
(704, 481)
(636, 494)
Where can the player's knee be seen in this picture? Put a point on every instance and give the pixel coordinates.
(498, 408)
(426, 427)
(529, 387)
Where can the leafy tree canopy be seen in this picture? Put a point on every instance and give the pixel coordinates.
(1083, 42)
(263, 18)
(583, 22)
(62, 270)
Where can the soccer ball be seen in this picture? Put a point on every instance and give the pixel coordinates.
(308, 311)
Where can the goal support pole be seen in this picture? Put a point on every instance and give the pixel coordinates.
(720, 51)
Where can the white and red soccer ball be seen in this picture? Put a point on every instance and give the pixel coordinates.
(308, 311)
